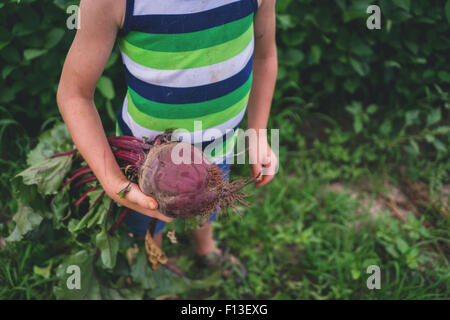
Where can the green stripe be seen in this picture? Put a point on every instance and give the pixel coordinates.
(189, 110)
(227, 145)
(208, 121)
(118, 131)
(180, 42)
(188, 59)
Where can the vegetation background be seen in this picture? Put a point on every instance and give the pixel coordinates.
(364, 175)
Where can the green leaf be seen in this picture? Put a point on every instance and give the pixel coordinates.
(163, 282)
(141, 271)
(356, 273)
(442, 130)
(91, 215)
(355, 108)
(402, 245)
(411, 117)
(48, 174)
(54, 37)
(26, 220)
(112, 59)
(52, 141)
(106, 87)
(293, 57)
(439, 145)
(60, 206)
(444, 76)
(89, 286)
(284, 21)
(404, 4)
(361, 49)
(357, 124)
(30, 54)
(392, 64)
(43, 272)
(447, 11)
(315, 54)
(429, 138)
(415, 146)
(361, 68)
(433, 117)
(372, 109)
(386, 127)
(7, 70)
(101, 213)
(109, 246)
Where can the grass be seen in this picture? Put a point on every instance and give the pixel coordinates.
(299, 241)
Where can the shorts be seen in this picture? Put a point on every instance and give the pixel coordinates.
(138, 222)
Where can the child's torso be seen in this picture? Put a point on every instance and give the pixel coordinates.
(186, 61)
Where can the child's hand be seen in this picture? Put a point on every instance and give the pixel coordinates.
(136, 200)
(265, 161)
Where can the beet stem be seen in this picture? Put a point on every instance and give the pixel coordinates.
(79, 201)
(68, 153)
(125, 213)
(85, 180)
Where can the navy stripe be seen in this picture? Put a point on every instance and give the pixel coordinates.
(128, 16)
(126, 131)
(183, 23)
(224, 138)
(255, 5)
(197, 94)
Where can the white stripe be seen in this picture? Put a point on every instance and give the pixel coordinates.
(223, 158)
(143, 7)
(139, 131)
(186, 78)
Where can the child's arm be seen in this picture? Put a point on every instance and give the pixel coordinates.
(85, 62)
(265, 67)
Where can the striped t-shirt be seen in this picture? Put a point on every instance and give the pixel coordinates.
(187, 61)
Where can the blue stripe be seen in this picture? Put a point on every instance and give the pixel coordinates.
(122, 125)
(183, 23)
(128, 16)
(127, 131)
(197, 94)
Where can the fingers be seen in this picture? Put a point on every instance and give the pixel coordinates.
(267, 168)
(138, 197)
(156, 214)
(138, 201)
(269, 174)
(256, 169)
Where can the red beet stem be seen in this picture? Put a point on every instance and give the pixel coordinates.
(125, 213)
(134, 145)
(247, 183)
(85, 180)
(84, 196)
(68, 153)
(77, 173)
(129, 138)
(128, 156)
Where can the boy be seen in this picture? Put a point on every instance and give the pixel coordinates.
(185, 61)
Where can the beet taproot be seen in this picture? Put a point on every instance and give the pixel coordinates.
(176, 174)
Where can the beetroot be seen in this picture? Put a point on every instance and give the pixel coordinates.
(194, 187)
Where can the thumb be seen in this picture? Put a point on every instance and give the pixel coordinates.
(256, 168)
(136, 196)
